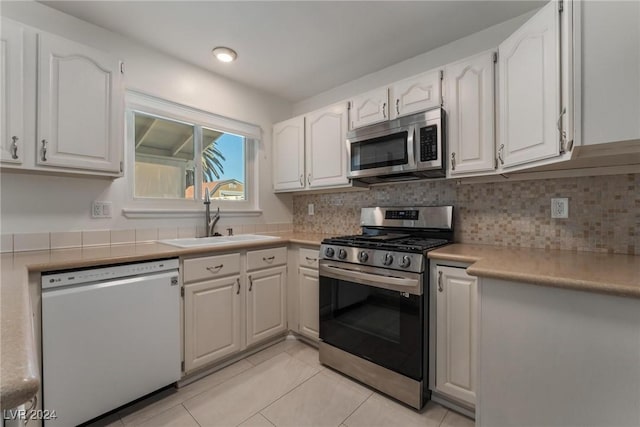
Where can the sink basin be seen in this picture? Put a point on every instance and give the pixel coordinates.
(194, 242)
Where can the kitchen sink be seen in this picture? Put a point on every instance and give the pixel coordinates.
(193, 242)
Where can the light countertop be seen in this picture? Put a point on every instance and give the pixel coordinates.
(611, 274)
(19, 371)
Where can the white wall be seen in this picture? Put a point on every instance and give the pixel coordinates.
(459, 49)
(32, 203)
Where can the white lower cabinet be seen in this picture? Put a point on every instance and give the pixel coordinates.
(266, 299)
(456, 338)
(212, 320)
(228, 307)
(309, 316)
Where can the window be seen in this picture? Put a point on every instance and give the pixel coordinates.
(180, 153)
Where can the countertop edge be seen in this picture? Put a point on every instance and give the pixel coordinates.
(488, 262)
(557, 282)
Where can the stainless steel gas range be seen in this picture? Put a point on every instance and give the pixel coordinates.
(374, 299)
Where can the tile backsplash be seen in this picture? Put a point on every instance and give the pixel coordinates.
(73, 239)
(604, 211)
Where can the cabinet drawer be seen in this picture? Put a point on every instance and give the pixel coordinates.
(266, 258)
(211, 267)
(308, 257)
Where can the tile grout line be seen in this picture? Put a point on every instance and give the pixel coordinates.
(191, 415)
(446, 412)
(358, 407)
(271, 403)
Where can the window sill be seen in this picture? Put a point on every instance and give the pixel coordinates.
(185, 213)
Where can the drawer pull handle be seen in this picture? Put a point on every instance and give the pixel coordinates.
(238, 280)
(250, 283)
(269, 259)
(215, 269)
(311, 259)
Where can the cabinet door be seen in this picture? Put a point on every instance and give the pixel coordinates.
(309, 300)
(456, 345)
(288, 154)
(80, 96)
(11, 92)
(368, 108)
(212, 321)
(529, 75)
(471, 114)
(266, 310)
(415, 94)
(326, 150)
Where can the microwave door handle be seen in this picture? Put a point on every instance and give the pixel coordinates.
(411, 147)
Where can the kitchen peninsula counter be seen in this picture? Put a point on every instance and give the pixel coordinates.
(19, 368)
(556, 330)
(612, 274)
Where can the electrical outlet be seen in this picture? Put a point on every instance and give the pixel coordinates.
(560, 207)
(311, 209)
(101, 209)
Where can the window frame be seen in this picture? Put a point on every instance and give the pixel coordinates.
(147, 207)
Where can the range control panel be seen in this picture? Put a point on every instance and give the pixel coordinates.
(429, 143)
(403, 214)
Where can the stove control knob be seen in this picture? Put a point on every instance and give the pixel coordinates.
(406, 262)
(342, 254)
(363, 256)
(388, 259)
(329, 252)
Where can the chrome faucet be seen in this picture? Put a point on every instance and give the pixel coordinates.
(210, 223)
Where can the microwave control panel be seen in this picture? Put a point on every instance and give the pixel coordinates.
(429, 143)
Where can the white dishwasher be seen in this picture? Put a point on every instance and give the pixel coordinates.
(109, 336)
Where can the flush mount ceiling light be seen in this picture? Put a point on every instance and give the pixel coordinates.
(225, 54)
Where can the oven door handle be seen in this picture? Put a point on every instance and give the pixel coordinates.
(379, 281)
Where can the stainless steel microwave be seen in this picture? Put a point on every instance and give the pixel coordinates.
(406, 148)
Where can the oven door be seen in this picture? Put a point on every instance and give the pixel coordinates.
(374, 313)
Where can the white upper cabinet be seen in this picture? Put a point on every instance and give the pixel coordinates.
(310, 152)
(11, 92)
(415, 94)
(610, 66)
(79, 115)
(326, 152)
(369, 108)
(529, 90)
(288, 154)
(470, 107)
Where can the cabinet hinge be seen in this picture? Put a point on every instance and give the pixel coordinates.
(121, 166)
(122, 68)
(496, 163)
(348, 105)
(182, 366)
(495, 57)
(560, 5)
(441, 74)
(182, 292)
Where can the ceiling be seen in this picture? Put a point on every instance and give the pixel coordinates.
(295, 49)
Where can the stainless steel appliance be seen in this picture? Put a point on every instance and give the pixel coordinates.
(110, 335)
(374, 299)
(406, 148)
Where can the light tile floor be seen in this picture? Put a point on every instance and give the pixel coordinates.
(283, 385)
